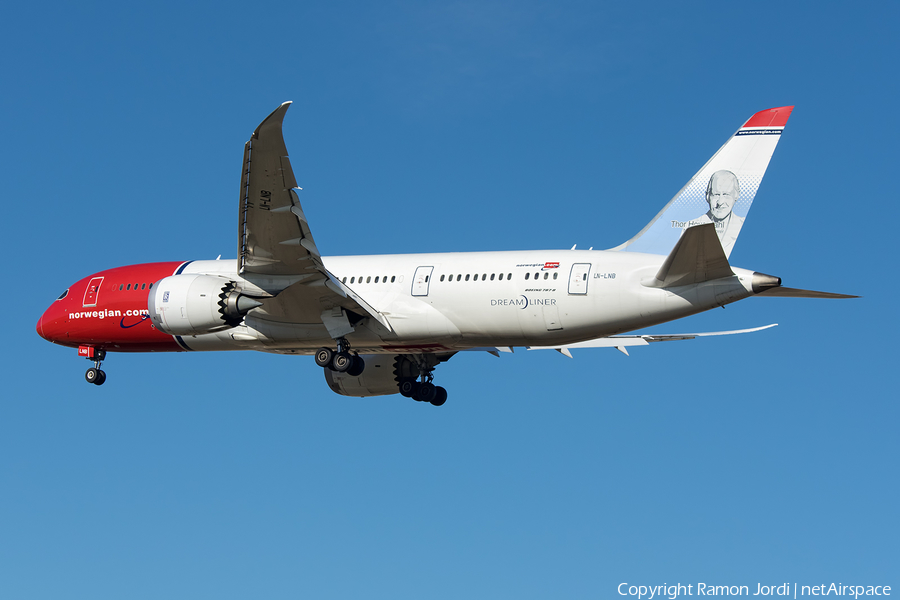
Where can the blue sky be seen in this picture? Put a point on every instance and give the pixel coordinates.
(417, 127)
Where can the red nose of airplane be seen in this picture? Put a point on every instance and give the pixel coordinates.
(51, 326)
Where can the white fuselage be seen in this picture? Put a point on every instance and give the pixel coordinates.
(459, 301)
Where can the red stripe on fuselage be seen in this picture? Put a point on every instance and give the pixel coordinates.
(119, 320)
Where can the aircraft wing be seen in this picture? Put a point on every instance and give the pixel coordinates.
(273, 234)
(276, 250)
(621, 342)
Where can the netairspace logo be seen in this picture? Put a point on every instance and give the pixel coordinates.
(649, 592)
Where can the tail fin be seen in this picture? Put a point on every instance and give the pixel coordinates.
(721, 192)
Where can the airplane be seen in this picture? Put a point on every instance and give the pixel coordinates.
(380, 324)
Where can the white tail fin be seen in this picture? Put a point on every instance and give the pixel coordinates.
(721, 192)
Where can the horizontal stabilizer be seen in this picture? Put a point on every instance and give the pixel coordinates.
(697, 257)
(786, 292)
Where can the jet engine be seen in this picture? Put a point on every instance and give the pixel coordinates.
(195, 304)
(378, 379)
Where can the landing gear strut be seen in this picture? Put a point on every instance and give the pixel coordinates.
(94, 374)
(421, 388)
(341, 361)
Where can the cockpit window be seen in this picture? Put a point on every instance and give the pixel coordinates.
(63, 295)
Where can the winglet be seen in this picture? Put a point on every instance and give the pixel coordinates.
(275, 119)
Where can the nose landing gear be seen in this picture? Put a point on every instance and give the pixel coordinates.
(97, 355)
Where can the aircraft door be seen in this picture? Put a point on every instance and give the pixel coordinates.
(92, 292)
(421, 280)
(578, 278)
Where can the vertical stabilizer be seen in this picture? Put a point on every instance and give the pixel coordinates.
(721, 192)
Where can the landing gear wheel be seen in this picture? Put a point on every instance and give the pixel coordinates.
(408, 387)
(341, 362)
(426, 392)
(357, 366)
(101, 379)
(92, 375)
(324, 356)
(440, 396)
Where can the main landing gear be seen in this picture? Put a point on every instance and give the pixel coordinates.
(423, 391)
(415, 377)
(341, 361)
(94, 374)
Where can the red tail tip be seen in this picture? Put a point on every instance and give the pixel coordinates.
(771, 117)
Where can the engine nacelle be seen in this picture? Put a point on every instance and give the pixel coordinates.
(195, 304)
(378, 378)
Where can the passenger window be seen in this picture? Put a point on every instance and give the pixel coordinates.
(150, 287)
(129, 287)
(508, 277)
(353, 280)
(393, 277)
(527, 275)
(143, 286)
(546, 276)
(492, 276)
(369, 279)
(376, 280)
(344, 280)
(459, 277)
(484, 277)
(442, 277)
(467, 277)
(121, 285)
(555, 275)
